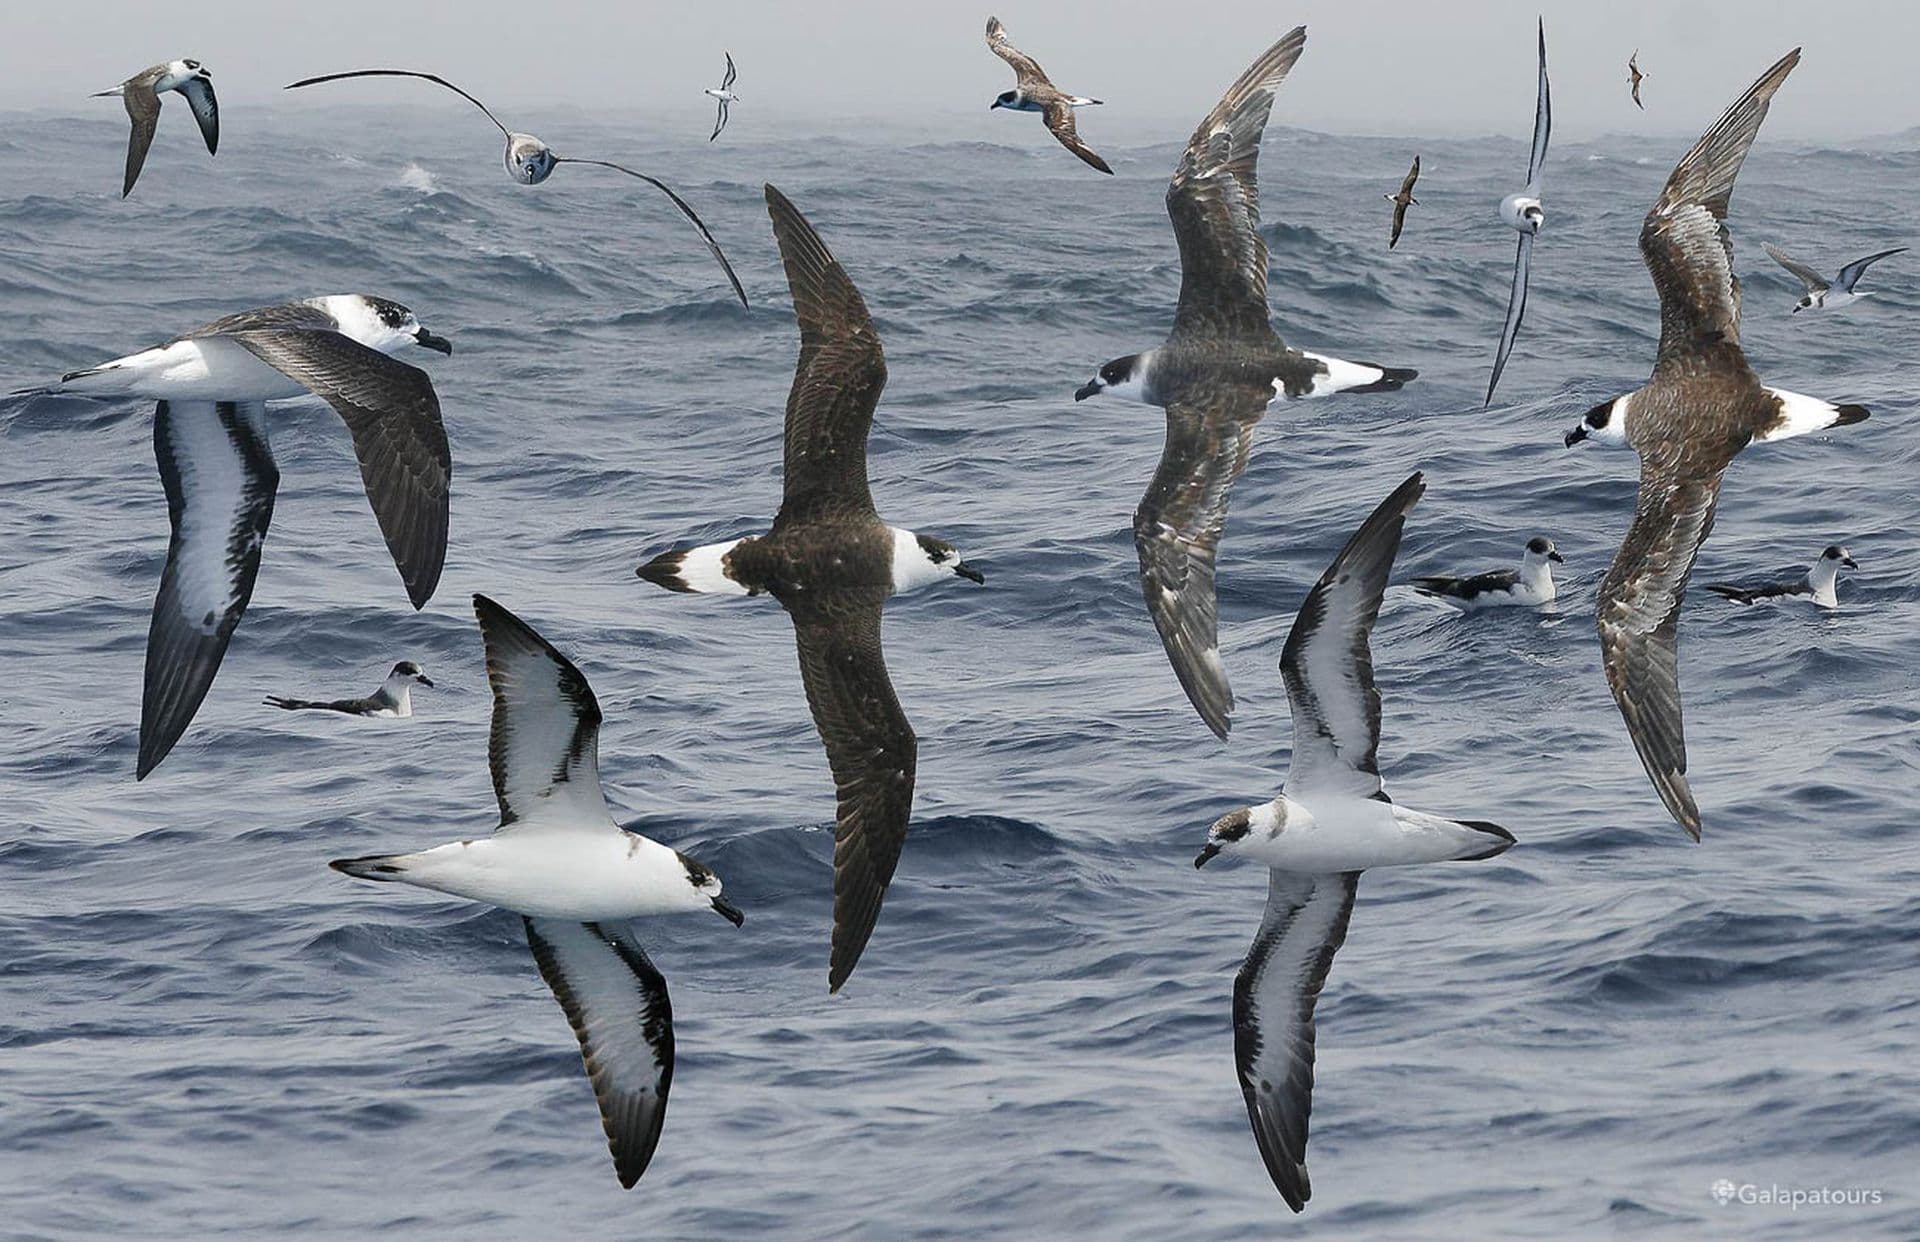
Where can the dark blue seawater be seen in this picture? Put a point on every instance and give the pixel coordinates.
(203, 1031)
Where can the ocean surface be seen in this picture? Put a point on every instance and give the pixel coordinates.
(204, 1032)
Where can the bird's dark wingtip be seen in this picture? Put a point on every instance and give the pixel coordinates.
(1848, 415)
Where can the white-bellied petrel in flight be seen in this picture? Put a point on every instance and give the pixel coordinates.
(574, 877)
(1824, 294)
(1332, 821)
(530, 161)
(1701, 407)
(723, 96)
(1215, 375)
(832, 562)
(210, 441)
(394, 698)
(1522, 212)
(1401, 201)
(1033, 91)
(141, 95)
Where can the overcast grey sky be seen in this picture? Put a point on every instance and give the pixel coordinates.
(1371, 66)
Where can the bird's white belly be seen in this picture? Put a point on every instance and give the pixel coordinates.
(205, 370)
(585, 876)
(1513, 210)
(1356, 834)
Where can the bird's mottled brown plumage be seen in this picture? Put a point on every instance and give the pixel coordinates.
(1403, 200)
(1033, 86)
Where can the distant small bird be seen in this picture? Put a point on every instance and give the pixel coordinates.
(574, 876)
(1402, 201)
(394, 698)
(531, 161)
(1528, 586)
(1522, 212)
(1033, 91)
(725, 95)
(1332, 820)
(1633, 69)
(141, 95)
(1817, 584)
(1822, 295)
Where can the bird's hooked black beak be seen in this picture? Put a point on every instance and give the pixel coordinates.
(969, 572)
(1578, 434)
(427, 340)
(1207, 853)
(728, 911)
(1088, 389)
(1849, 562)
(424, 680)
(1556, 558)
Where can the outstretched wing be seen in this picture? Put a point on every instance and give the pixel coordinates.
(726, 83)
(1214, 203)
(544, 747)
(1026, 70)
(870, 747)
(699, 224)
(143, 109)
(220, 480)
(1516, 311)
(1177, 530)
(1684, 239)
(206, 110)
(1327, 663)
(1813, 280)
(1638, 617)
(1850, 274)
(719, 120)
(403, 73)
(1273, 998)
(617, 1004)
(391, 410)
(1542, 121)
(1059, 119)
(836, 383)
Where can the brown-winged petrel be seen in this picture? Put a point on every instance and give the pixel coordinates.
(210, 440)
(1033, 91)
(1824, 294)
(831, 562)
(393, 698)
(141, 95)
(1332, 821)
(1528, 586)
(1634, 77)
(1701, 407)
(1215, 375)
(1401, 201)
(574, 876)
(1816, 585)
(530, 161)
(1523, 213)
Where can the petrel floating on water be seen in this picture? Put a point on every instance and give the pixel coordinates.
(1333, 821)
(531, 161)
(832, 562)
(210, 440)
(574, 876)
(1816, 586)
(1528, 586)
(1215, 375)
(1701, 407)
(141, 95)
(394, 698)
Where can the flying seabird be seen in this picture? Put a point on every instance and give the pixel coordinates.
(210, 441)
(1215, 375)
(393, 698)
(531, 161)
(141, 95)
(574, 876)
(1033, 91)
(1701, 407)
(1332, 821)
(831, 563)
(1817, 584)
(1522, 212)
(724, 95)
(1402, 201)
(1529, 586)
(1820, 293)
(1634, 76)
